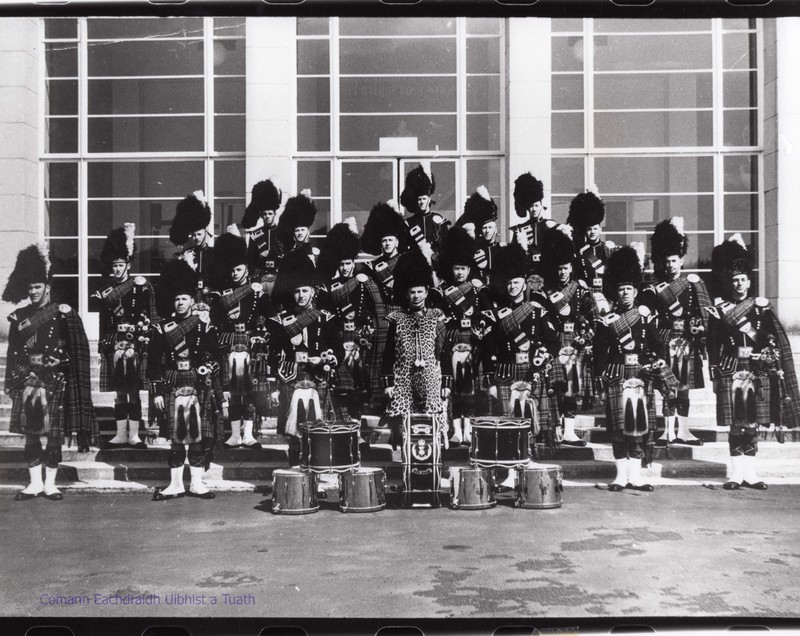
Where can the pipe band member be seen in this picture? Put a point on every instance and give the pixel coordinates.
(305, 353)
(519, 347)
(750, 362)
(426, 227)
(239, 311)
(464, 300)
(294, 226)
(184, 364)
(480, 222)
(628, 362)
(127, 308)
(47, 373)
(569, 302)
(259, 222)
(416, 376)
(586, 214)
(678, 303)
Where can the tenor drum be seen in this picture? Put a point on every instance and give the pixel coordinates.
(539, 486)
(363, 490)
(500, 442)
(472, 488)
(294, 492)
(327, 447)
(422, 462)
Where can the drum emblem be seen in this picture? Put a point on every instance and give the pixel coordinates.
(421, 450)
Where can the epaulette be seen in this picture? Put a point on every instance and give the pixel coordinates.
(761, 301)
(437, 218)
(644, 312)
(64, 308)
(362, 278)
(12, 317)
(139, 280)
(539, 306)
(476, 283)
(582, 284)
(693, 278)
(503, 244)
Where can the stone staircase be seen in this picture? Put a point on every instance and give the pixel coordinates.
(138, 471)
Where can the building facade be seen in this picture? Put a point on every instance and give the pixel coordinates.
(109, 120)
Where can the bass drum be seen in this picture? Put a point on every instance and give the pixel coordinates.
(500, 442)
(327, 447)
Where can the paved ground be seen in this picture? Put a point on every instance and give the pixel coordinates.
(673, 552)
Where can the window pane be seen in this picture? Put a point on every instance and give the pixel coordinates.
(654, 174)
(654, 52)
(483, 93)
(61, 180)
(567, 54)
(146, 134)
(151, 255)
(364, 132)
(739, 50)
(643, 212)
(568, 175)
(229, 95)
(152, 217)
(62, 97)
(741, 212)
(313, 133)
(657, 90)
(145, 96)
(633, 129)
(229, 177)
(484, 26)
(60, 28)
(140, 28)
(397, 26)
(398, 94)
(227, 212)
(146, 58)
(445, 196)
(64, 255)
(316, 176)
(61, 218)
(363, 185)
(741, 173)
(483, 132)
(567, 130)
(408, 56)
(567, 24)
(61, 59)
(487, 172)
(227, 27)
(313, 95)
(229, 133)
(740, 127)
(312, 26)
(62, 135)
(229, 57)
(740, 89)
(649, 26)
(559, 208)
(483, 55)
(568, 92)
(312, 57)
(738, 24)
(64, 289)
(151, 179)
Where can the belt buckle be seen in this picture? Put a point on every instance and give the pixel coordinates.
(301, 356)
(631, 359)
(349, 325)
(124, 327)
(678, 325)
(522, 358)
(466, 323)
(569, 327)
(269, 264)
(183, 365)
(239, 327)
(597, 283)
(536, 258)
(745, 352)
(36, 359)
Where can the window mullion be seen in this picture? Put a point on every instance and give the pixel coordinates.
(588, 101)
(83, 145)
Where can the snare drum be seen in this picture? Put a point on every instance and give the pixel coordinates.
(329, 447)
(500, 442)
(294, 492)
(539, 486)
(363, 490)
(471, 488)
(422, 462)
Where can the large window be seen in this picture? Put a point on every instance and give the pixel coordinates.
(663, 117)
(376, 95)
(139, 112)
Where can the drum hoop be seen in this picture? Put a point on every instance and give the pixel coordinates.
(501, 424)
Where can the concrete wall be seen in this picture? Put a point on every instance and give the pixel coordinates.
(271, 100)
(19, 152)
(529, 101)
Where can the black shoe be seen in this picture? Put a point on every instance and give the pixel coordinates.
(160, 496)
(205, 495)
(578, 443)
(138, 446)
(465, 443)
(110, 446)
(731, 485)
(56, 496)
(642, 488)
(759, 485)
(501, 489)
(253, 446)
(688, 442)
(614, 487)
(25, 496)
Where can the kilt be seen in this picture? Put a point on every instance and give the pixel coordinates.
(174, 380)
(455, 337)
(506, 375)
(766, 411)
(691, 360)
(54, 384)
(285, 393)
(233, 342)
(615, 409)
(375, 362)
(107, 380)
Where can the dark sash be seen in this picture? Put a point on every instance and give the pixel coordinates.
(562, 298)
(510, 322)
(28, 327)
(732, 315)
(294, 324)
(384, 271)
(175, 332)
(112, 294)
(621, 323)
(261, 237)
(232, 297)
(340, 292)
(670, 292)
(456, 295)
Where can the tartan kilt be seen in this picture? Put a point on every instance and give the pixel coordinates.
(54, 385)
(694, 366)
(176, 379)
(547, 405)
(285, 391)
(464, 336)
(377, 399)
(766, 412)
(615, 410)
(236, 340)
(107, 380)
